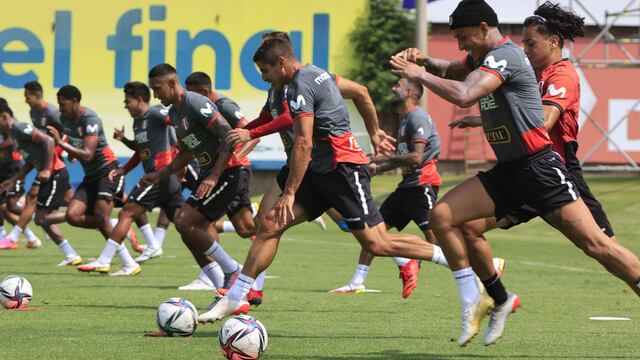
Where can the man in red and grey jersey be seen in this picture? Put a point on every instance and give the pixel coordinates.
(328, 170)
(50, 186)
(201, 131)
(498, 75)
(150, 127)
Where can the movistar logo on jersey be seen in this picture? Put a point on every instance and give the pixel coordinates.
(207, 110)
(491, 62)
(298, 103)
(92, 129)
(555, 92)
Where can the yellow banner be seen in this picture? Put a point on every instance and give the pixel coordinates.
(99, 47)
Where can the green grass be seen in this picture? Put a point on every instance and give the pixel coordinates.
(87, 316)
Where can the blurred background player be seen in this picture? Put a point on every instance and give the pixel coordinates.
(50, 185)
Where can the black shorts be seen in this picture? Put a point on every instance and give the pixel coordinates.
(540, 181)
(98, 187)
(346, 189)
(409, 204)
(526, 213)
(217, 203)
(243, 197)
(6, 172)
(166, 194)
(191, 178)
(282, 176)
(51, 194)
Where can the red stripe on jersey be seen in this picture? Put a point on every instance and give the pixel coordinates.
(56, 163)
(213, 119)
(419, 141)
(346, 150)
(163, 158)
(429, 174)
(109, 155)
(303, 115)
(236, 161)
(90, 136)
(536, 139)
(491, 71)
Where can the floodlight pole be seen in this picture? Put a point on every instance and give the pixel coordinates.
(421, 35)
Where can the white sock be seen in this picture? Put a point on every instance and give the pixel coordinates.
(214, 274)
(108, 251)
(159, 236)
(220, 256)
(67, 249)
(15, 233)
(204, 278)
(438, 257)
(360, 275)
(240, 287)
(467, 287)
(258, 285)
(254, 212)
(149, 237)
(400, 261)
(113, 222)
(125, 257)
(2, 233)
(227, 226)
(29, 234)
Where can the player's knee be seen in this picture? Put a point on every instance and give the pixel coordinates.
(73, 218)
(596, 249)
(469, 232)
(439, 218)
(40, 219)
(266, 224)
(183, 225)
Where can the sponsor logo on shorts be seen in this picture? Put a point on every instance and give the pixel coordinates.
(352, 219)
(499, 135)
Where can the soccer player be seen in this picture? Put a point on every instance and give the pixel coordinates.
(201, 131)
(497, 74)
(50, 186)
(91, 205)
(334, 168)
(150, 127)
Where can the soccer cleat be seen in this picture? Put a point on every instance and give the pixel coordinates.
(6, 244)
(71, 262)
(128, 271)
(472, 317)
(94, 266)
(131, 235)
(254, 297)
(223, 307)
(409, 275)
(197, 285)
(350, 289)
(148, 254)
(499, 264)
(230, 278)
(34, 244)
(320, 222)
(498, 318)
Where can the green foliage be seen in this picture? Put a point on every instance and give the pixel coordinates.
(381, 32)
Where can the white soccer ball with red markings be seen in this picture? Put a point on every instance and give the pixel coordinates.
(15, 292)
(243, 337)
(177, 317)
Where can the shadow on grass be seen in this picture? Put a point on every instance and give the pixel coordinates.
(392, 354)
(165, 287)
(111, 306)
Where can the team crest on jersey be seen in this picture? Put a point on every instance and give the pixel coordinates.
(185, 123)
(145, 123)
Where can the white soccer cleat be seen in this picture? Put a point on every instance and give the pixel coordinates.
(350, 289)
(472, 317)
(34, 244)
(148, 254)
(71, 262)
(223, 307)
(498, 318)
(320, 222)
(198, 285)
(128, 271)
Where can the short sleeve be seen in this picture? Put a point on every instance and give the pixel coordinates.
(24, 132)
(301, 99)
(203, 111)
(92, 126)
(54, 120)
(561, 91)
(231, 111)
(419, 126)
(501, 63)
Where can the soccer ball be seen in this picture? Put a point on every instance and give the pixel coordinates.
(243, 338)
(15, 292)
(177, 317)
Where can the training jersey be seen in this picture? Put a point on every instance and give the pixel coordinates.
(313, 93)
(231, 112)
(89, 126)
(192, 119)
(512, 116)
(6, 154)
(33, 151)
(151, 132)
(414, 127)
(560, 87)
(48, 115)
(274, 107)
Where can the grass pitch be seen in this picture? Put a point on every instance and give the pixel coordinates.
(89, 316)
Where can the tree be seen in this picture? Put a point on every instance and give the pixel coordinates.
(379, 33)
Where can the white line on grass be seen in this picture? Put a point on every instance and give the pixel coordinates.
(561, 267)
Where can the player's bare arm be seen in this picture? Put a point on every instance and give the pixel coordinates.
(220, 128)
(118, 134)
(249, 145)
(49, 144)
(184, 158)
(466, 122)
(455, 70)
(85, 153)
(551, 116)
(389, 161)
